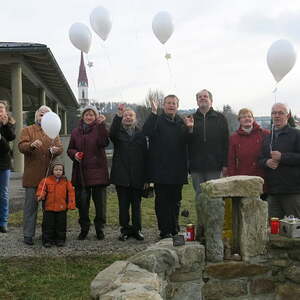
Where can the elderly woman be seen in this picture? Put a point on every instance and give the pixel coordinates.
(128, 171)
(38, 150)
(245, 146)
(7, 134)
(90, 172)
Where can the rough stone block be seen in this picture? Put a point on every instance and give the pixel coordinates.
(191, 256)
(253, 233)
(212, 211)
(234, 186)
(281, 242)
(131, 295)
(184, 291)
(218, 290)
(293, 273)
(280, 263)
(288, 292)
(231, 270)
(104, 281)
(262, 286)
(123, 278)
(294, 254)
(162, 261)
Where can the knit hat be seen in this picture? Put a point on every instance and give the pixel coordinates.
(56, 162)
(92, 108)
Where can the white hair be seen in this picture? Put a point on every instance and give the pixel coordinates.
(42, 108)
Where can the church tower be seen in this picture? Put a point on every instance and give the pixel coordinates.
(83, 84)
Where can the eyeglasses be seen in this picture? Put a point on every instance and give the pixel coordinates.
(280, 113)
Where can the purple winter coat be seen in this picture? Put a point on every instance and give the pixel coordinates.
(91, 142)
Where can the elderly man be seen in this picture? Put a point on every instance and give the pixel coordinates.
(38, 150)
(281, 159)
(167, 162)
(208, 147)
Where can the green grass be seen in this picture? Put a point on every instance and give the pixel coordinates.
(148, 213)
(70, 277)
(51, 278)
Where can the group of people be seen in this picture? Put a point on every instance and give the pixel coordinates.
(162, 152)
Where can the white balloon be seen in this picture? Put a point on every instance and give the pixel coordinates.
(162, 26)
(281, 58)
(101, 21)
(80, 36)
(51, 124)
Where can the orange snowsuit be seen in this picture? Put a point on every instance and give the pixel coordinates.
(58, 195)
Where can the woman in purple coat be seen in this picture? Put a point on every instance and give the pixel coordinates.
(90, 172)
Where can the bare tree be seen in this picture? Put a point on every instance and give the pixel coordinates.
(154, 95)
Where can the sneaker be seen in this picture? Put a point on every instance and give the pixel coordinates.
(60, 243)
(100, 235)
(47, 245)
(3, 229)
(82, 235)
(139, 236)
(28, 240)
(123, 237)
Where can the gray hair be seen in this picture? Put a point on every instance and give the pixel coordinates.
(43, 107)
(282, 104)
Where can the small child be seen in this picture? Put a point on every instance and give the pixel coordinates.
(59, 196)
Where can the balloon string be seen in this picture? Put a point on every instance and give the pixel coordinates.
(47, 170)
(172, 81)
(91, 73)
(111, 67)
(275, 92)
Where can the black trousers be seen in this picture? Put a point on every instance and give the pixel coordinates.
(83, 199)
(167, 207)
(129, 196)
(54, 226)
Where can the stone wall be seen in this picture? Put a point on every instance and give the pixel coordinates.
(162, 271)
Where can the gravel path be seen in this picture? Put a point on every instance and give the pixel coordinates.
(11, 244)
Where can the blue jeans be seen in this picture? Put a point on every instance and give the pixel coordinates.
(4, 200)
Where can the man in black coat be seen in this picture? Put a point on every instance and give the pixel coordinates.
(167, 163)
(208, 148)
(128, 170)
(281, 160)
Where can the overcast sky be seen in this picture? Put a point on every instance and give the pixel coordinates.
(219, 45)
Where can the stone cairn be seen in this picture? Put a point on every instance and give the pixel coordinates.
(249, 216)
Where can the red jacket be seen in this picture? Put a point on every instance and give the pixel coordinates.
(92, 142)
(244, 151)
(58, 195)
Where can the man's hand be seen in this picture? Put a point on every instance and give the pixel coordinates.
(276, 155)
(154, 105)
(272, 164)
(121, 109)
(189, 121)
(53, 150)
(36, 144)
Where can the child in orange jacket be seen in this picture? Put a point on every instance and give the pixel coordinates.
(59, 196)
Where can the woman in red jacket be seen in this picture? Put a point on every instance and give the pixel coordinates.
(90, 172)
(245, 146)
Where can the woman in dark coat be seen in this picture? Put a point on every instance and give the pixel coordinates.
(128, 171)
(167, 163)
(245, 146)
(90, 172)
(7, 134)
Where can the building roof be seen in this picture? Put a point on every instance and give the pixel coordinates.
(41, 60)
(82, 77)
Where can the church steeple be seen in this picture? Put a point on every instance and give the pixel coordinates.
(83, 83)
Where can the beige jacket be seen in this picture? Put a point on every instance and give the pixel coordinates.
(36, 160)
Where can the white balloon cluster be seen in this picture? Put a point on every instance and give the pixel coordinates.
(101, 22)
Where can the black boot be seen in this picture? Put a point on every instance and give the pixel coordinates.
(82, 235)
(138, 236)
(100, 235)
